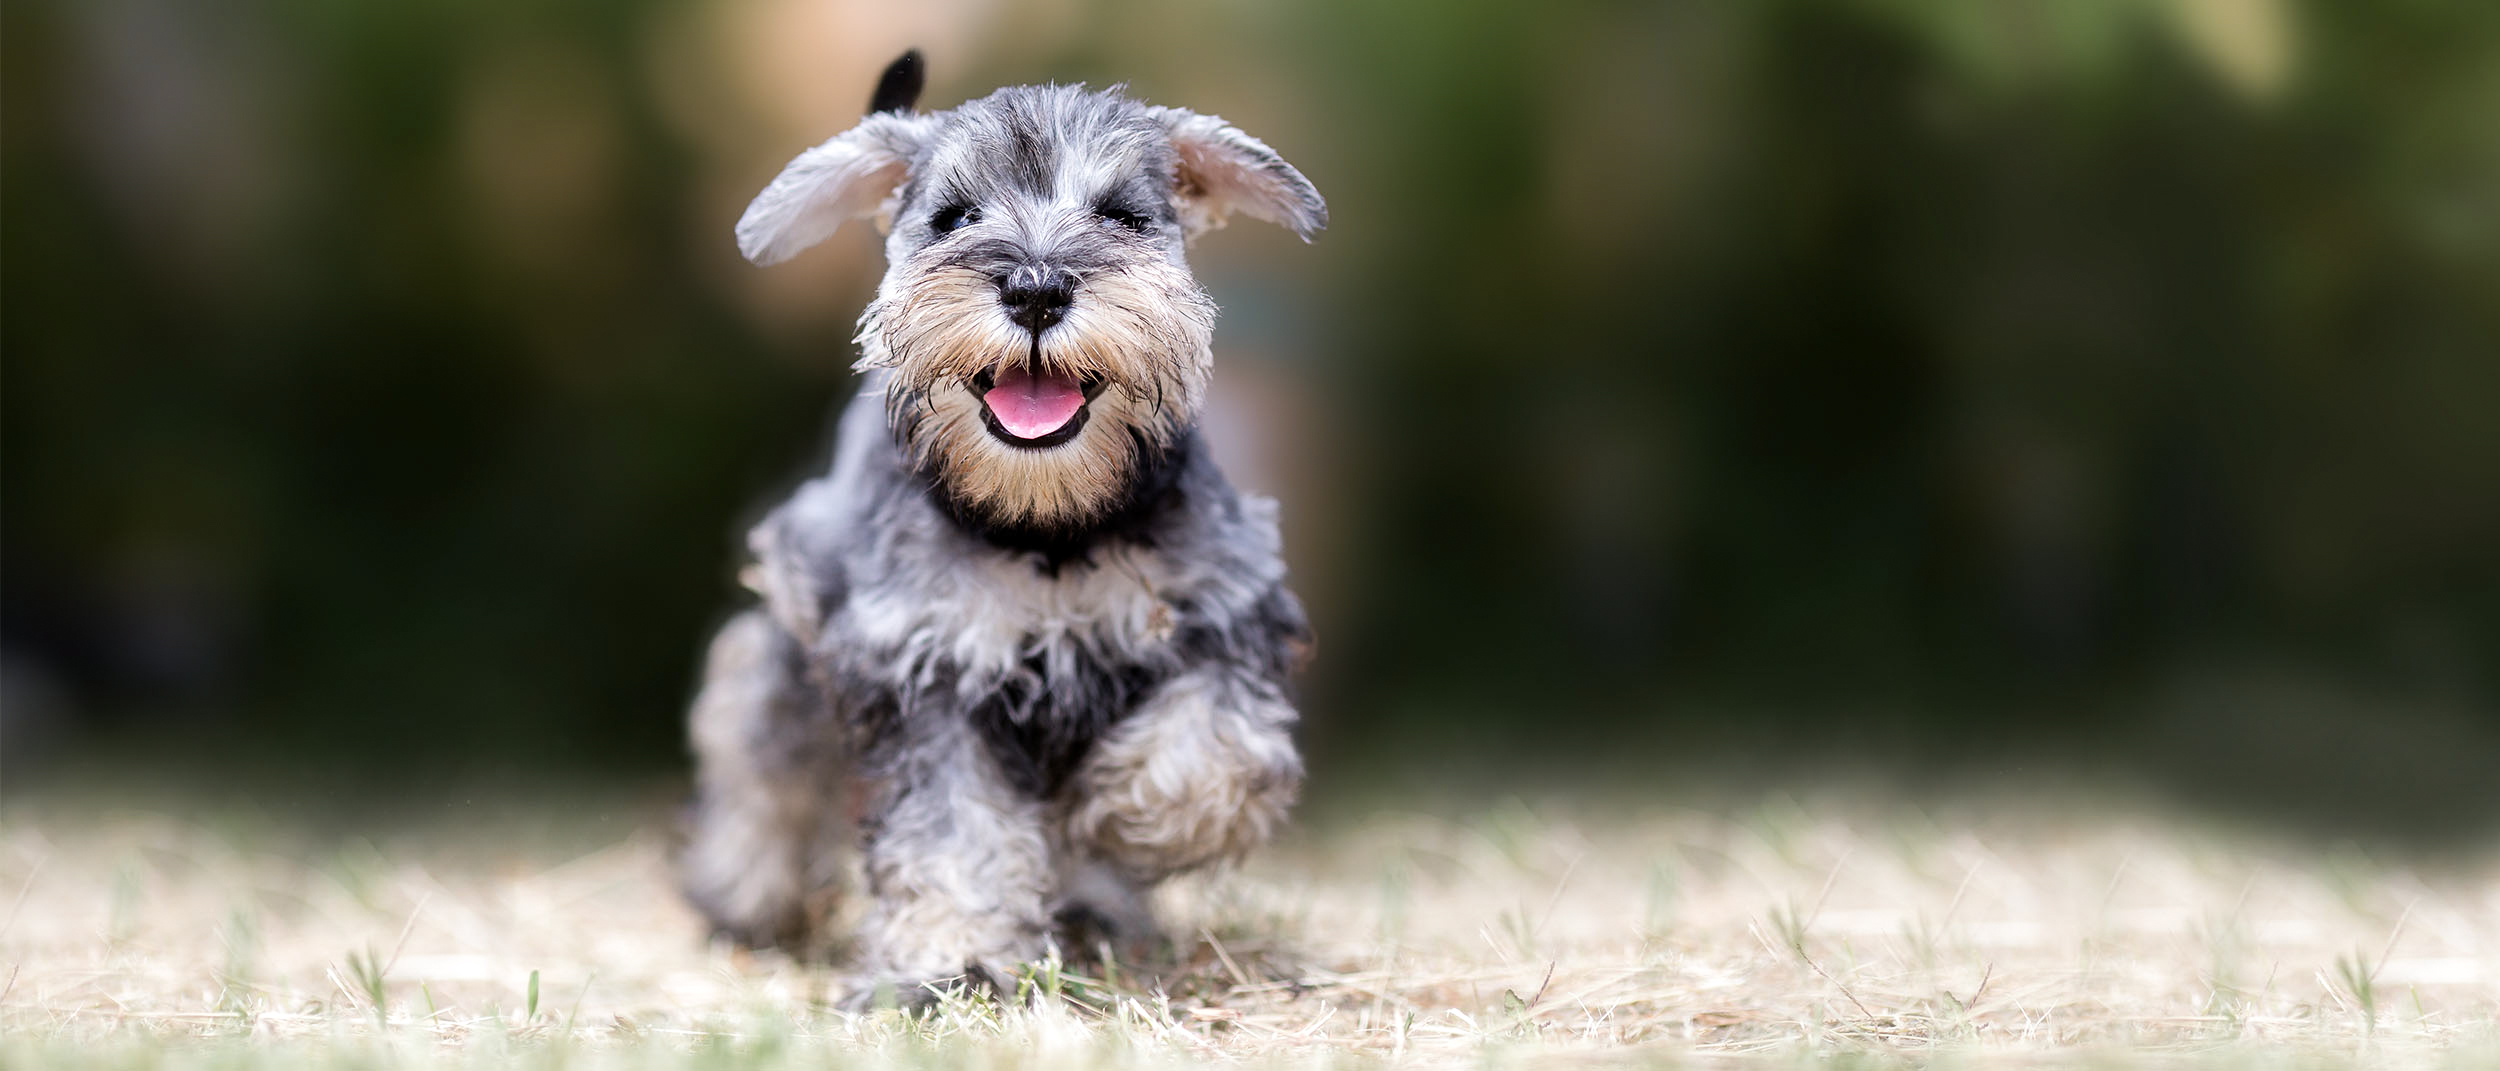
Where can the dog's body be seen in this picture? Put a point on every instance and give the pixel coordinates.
(1024, 646)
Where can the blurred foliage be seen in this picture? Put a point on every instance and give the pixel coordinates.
(1714, 376)
(392, 452)
(1862, 355)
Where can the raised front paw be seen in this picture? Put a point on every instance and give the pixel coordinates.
(1204, 771)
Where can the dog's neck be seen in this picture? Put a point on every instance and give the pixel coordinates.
(1153, 490)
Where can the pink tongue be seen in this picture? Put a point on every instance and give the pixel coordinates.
(1031, 406)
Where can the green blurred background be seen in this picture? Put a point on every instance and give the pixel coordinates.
(1686, 393)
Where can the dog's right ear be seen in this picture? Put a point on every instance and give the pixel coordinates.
(843, 179)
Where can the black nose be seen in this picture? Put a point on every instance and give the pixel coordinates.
(1037, 297)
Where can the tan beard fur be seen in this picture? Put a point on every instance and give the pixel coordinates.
(1143, 331)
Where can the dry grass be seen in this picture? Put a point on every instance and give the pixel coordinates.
(1513, 936)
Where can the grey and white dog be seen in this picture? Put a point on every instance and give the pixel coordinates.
(1023, 647)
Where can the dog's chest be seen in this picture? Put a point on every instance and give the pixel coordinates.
(1042, 662)
(994, 619)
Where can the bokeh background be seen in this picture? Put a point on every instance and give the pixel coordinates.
(1686, 393)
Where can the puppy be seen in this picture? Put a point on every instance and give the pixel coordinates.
(1024, 650)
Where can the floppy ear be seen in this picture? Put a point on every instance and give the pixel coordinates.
(843, 179)
(1222, 170)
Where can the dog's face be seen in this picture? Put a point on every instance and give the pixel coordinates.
(1038, 314)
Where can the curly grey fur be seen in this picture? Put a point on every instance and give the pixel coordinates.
(1017, 717)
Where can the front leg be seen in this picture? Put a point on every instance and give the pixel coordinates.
(1203, 771)
(957, 866)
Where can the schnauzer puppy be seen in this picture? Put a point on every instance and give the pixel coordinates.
(1023, 648)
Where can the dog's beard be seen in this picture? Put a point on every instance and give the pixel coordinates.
(1141, 332)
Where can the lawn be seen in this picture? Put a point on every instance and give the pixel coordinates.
(545, 933)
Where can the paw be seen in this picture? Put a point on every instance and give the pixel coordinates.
(756, 905)
(916, 996)
(1098, 910)
(1203, 773)
(787, 934)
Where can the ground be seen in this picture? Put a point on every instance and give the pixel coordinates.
(1510, 934)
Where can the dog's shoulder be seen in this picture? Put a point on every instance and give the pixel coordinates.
(802, 555)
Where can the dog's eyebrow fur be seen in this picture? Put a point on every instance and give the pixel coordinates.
(1034, 140)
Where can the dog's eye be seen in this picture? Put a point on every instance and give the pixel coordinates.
(954, 217)
(1124, 216)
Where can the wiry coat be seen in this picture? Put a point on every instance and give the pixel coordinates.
(1025, 683)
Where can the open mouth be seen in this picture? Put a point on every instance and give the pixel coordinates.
(1032, 407)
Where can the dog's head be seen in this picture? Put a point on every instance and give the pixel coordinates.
(1038, 314)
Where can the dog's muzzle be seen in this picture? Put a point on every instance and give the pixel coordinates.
(1031, 405)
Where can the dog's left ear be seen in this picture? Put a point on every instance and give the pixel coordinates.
(1222, 170)
(846, 178)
